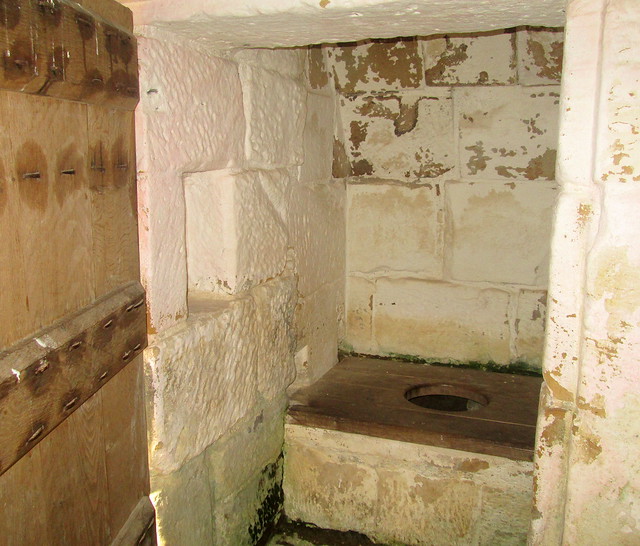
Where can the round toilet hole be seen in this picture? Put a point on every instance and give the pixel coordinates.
(444, 397)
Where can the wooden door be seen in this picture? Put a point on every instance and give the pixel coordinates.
(73, 462)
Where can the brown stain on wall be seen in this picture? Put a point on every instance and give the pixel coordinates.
(587, 444)
(585, 212)
(318, 74)
(340, 167)
(453, 55)
(539, 167)
(478, 161)
(472, 465)
(358, 133)
(361, 167)
(548, 64)
(394, 63)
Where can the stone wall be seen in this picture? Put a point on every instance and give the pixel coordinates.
(242, 250)
(448, 147)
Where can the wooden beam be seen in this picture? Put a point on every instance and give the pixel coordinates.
(57, 48)
(46, 378)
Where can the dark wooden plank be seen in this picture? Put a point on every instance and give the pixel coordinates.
(365, 396)
(46, 378)
(125, 443)
(60, 49)
(139, 528)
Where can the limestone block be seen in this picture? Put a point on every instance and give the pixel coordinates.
(187, 120)
(231, 220)
(274, 108)
(319, 77)
(317, 328)
(499, 232)
(427, 510)
(275, 303)
(441, 321)
(487, 58)
(530, 322)
(379, 65)
(184, 512)
(163, 260)
(317, 234)
(214, 355)
(394, 227)
(328, 489)
(418, 494)
(509, 132)
(402, 136)
(318, 139)
(286, 62)
(359, 316)
(243, 518)
(341, 166)
(540, 55)
(246, 449)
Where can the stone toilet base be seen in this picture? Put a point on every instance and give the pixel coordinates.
(455, 478)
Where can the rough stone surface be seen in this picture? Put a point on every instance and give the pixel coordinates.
(400, 492)
(286, 62)
(183, 504)
(359, 315)
(231, 219)
(377, 66)
(394, 227)
(529, 326)
(507, 132)
(499, 232)
(540, 56)
(275, 111)
(219, 352)
(317, 318)
(400, 135)
(317, 234)
(272, 23)
(318, 138)
(441, 321)
(484, 59)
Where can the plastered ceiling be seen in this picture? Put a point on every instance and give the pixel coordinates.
(284, 23)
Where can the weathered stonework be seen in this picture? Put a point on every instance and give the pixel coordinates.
(399, 135)
(540, 56)
(441, 321)
(377, 66)
(507, 132)
(529, 326)
(401, 492)
(480, 59)
(499, 232)
(394, 227)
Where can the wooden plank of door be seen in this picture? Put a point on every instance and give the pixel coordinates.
(52, 213)
(113, 197)
(125, 442)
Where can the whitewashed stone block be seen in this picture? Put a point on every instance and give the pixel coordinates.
(509, 132)
(317, 328)
(187, 120)
(275, 304)
(274, 108)
(359, 316)
(441, 321)
(317, 234)
(214, 355)
(402, 136)
(377, 66)
(499, 232)
(540, 55)
(236, 237)
(485, 59)
(530, 323)
(318, 139)
(394, 227)
(286, 62)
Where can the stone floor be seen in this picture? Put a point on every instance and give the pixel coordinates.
(289, 533)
